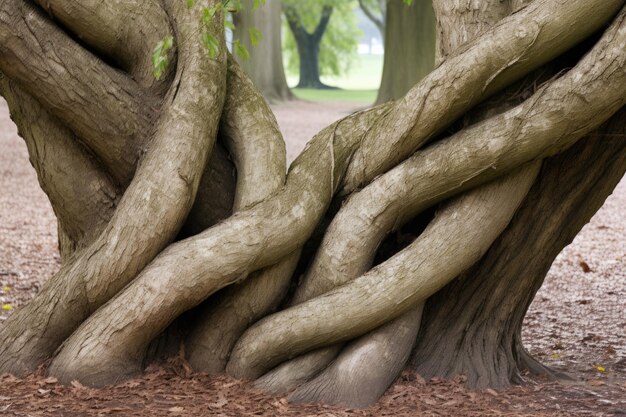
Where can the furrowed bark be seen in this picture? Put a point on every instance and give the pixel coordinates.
(511, 49)
(552, 120)
(385, 292)
(164, 188)
(110, 27)
(473, 326)
(110, 346)
(99, 104)
(82, 195)
(338, 384)
(254, 139)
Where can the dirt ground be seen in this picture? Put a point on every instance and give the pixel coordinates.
(577, 322)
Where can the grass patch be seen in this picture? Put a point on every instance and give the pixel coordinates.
(359, 85)
(356, 96)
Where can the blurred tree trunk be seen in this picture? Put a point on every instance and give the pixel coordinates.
(409, 47)
(308, 45)
(265, 65)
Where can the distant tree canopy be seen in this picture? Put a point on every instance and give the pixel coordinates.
(322, 38)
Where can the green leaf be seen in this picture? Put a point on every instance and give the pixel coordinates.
(211, 44)
(190, 3)
(159, 57)
(408, 2)
(257, 4)
(255, 36)
(229, 25)
(240, 50)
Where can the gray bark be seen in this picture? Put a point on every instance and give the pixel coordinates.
(162, 229)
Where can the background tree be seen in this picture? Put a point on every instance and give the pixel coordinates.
(322, 39)
(259, 31)
(419, 230)
(375, 10)
(409, 47)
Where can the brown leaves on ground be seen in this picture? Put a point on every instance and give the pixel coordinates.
(163, 392)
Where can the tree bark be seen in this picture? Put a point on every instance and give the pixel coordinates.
(473, 326)
(200, 200)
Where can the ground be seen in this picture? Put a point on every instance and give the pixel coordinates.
(576, 323)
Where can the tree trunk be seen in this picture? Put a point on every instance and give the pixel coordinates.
(414, 232)
(308, 45)
(409, 47)
(265, 65)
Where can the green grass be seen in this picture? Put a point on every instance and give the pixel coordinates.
(360, 84)
(357, 96)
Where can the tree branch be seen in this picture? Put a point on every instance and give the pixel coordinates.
(110, 27)
(320, 29)
(105, 108)
(459, 83)
(378, 21)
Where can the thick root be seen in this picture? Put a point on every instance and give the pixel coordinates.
(366, 367)
(111, 341)
(164, 188)
(473, 326)
(449, 245)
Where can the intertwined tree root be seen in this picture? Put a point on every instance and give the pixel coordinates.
(172, 198)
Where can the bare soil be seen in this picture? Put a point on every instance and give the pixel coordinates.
(577, 323)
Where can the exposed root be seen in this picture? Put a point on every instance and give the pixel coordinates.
(164, 188)
(366, 367)
(449, 245)
(109, 342)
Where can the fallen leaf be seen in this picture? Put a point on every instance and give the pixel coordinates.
(600, 368)
(77, 384)
(50, 380)
(491, 392)
(585, 266)
(7, 307)
(176, 409)
(596, 382)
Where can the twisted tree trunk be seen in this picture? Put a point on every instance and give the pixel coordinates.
(414, 232)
